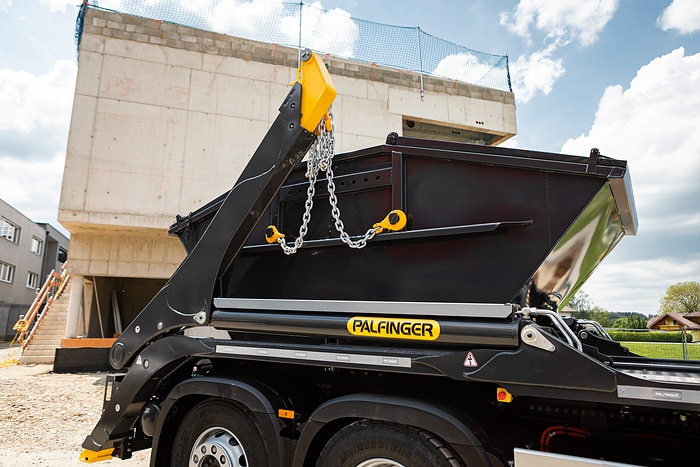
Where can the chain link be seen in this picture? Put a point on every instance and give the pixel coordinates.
(321, 160)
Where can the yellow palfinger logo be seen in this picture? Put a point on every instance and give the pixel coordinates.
(397, 328)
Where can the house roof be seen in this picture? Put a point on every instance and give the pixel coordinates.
(679, 318)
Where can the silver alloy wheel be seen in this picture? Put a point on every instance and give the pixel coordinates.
(217, 447)
(379, 463)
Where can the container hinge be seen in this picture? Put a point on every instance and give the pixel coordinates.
(534, 337)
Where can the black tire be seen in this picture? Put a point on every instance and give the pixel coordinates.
(215, 431)
(373, 444)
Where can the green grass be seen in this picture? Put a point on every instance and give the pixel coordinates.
(663, 350)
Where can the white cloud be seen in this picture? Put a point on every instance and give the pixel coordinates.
(653, 125)
(5, 5)
(562, 20)
(638, 285)
(246, 18)
(332, 32)
(33, 186)
(463, 67)
(683, 15)
(58, 6)
(30, 102)
(535, 73)
(272, 21)
(33, 133)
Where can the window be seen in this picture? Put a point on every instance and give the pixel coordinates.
(9, 230)
(7, 272)
(32, 280)
(37, 245)
(62, 255)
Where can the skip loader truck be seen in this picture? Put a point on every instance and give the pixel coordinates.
(431, 339)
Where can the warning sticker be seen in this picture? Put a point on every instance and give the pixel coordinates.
(470, 360)
(401, 328)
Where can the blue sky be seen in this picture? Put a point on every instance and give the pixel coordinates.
(620, 75)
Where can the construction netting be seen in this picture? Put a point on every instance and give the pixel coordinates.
(332, 32)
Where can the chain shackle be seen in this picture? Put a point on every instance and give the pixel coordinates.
(321, 160)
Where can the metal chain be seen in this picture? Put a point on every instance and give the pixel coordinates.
(312, 168)
(321, 159)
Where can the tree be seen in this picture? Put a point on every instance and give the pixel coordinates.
(633, 321)
(581, 301)
(602, 316)
(683, 297)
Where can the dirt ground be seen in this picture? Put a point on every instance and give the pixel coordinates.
(45, 416)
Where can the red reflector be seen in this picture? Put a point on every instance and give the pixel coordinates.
(502, 395)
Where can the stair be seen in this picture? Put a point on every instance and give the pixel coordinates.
(47, 338)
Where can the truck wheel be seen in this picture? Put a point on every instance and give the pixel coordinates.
(215, 433)
(369, 443)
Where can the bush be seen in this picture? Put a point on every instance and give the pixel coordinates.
(645, 336)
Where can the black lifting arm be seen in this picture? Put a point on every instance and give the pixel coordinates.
(185, 300)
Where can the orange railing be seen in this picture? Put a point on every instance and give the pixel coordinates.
(51, 290)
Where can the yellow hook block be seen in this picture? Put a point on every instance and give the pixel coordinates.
(317, 90)
(396, 220)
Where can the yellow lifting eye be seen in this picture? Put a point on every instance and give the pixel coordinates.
(272, 234)
(396, 220)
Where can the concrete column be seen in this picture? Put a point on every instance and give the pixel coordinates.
(74, 305)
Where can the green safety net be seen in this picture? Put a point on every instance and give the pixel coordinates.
(332, 32)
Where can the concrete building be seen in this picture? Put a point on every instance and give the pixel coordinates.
(29, 251)
(164, 119)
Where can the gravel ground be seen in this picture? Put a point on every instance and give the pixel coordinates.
(45, 416)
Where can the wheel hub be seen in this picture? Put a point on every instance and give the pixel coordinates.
(217, 447)
(377, 462)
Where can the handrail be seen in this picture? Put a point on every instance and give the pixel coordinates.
(22, 325)
(52, 289)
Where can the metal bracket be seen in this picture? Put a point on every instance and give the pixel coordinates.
(558, 323)
(532, 336)
(592, 165)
